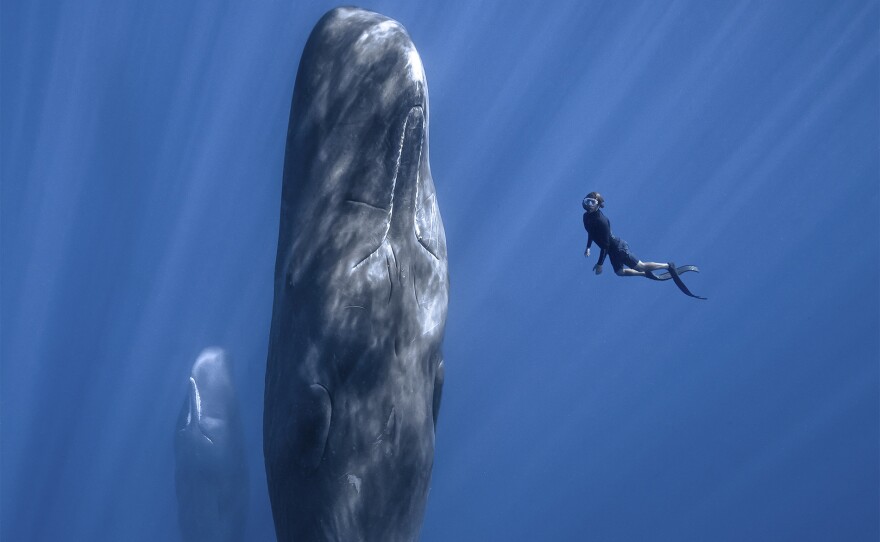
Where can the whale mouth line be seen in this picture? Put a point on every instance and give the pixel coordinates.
(194, 413)
(195, 402)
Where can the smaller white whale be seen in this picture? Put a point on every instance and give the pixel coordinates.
(210, 473)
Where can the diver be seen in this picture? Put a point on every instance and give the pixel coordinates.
(598, 228)
(623, 261)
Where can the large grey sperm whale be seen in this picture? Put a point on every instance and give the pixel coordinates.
(355, 371)
(210, 473)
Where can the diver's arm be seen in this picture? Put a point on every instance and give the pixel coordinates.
(598, 267)
(589, 235)
(604, 234)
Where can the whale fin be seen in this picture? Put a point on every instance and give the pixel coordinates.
(312, 425)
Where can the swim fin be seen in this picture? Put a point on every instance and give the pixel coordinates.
(673, 272)
(666, 276)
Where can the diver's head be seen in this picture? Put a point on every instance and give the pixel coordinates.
(593, 202)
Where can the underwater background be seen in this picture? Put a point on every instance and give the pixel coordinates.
(142, 151)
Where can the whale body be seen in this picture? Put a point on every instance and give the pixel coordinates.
(210, 472)
(354, 371)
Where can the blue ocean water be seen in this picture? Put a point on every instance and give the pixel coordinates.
(142, 149)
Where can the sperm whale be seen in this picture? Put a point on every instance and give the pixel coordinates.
(355, 371)
(210, 474)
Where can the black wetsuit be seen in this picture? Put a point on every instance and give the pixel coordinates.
(599, 231)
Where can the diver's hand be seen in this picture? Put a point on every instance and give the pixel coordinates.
(587, 253)
(598, 269)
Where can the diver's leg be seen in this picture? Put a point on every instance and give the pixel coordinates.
(650, 266)
(627, 272)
